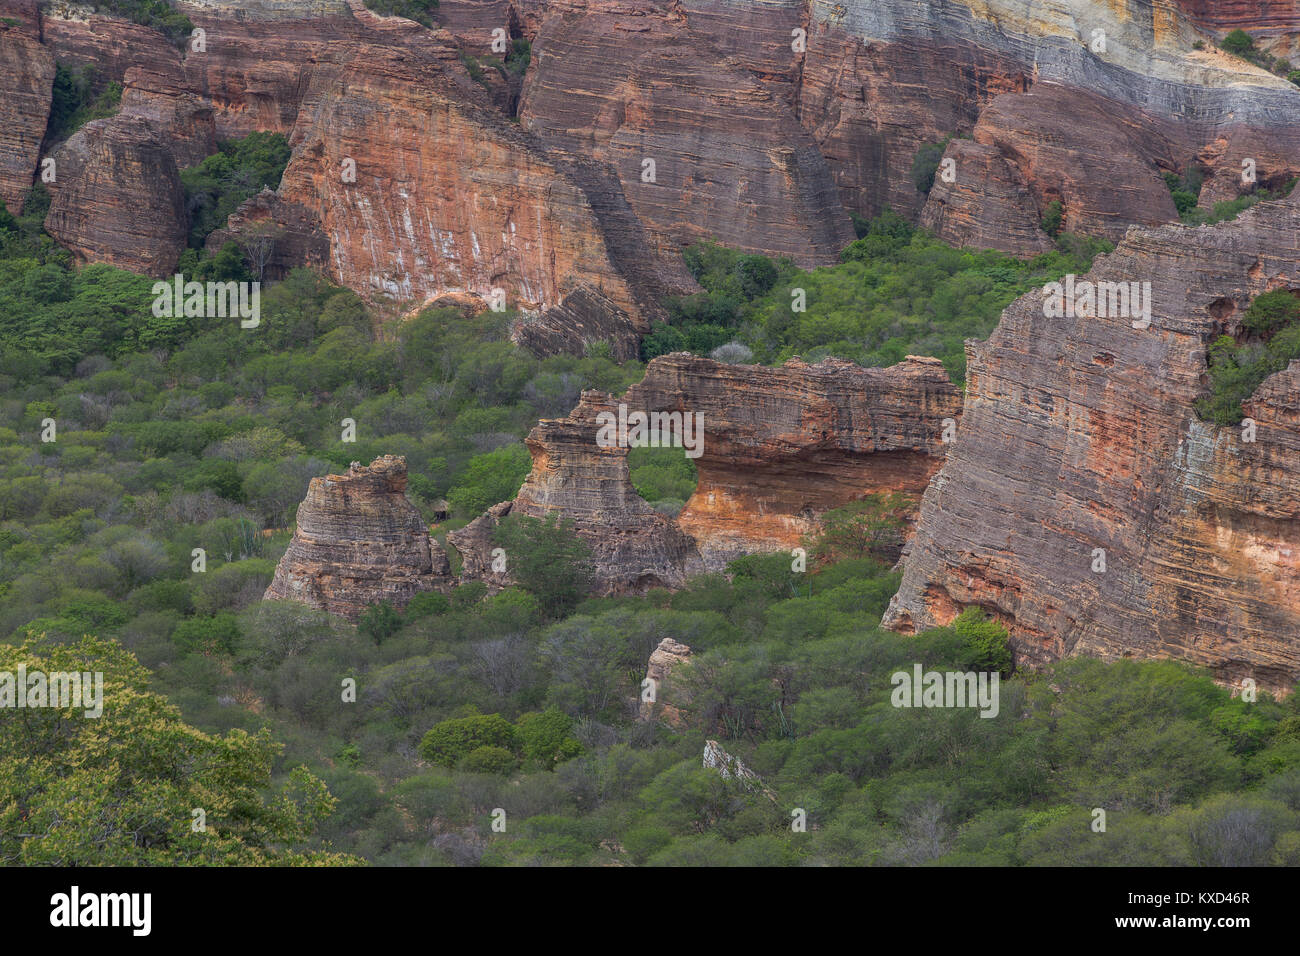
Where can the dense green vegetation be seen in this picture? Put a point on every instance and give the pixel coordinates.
(239, 170)
(1268, 341)
(78, 98)
(421, 11)
(898, 291)
(662, 476)
(158, 14)
(136, 775)
(925, 164)
(515, 63)
(502, 730)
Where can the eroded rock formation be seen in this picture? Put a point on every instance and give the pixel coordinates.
(359, 541)
(780, 446)
(26, 76)
(118, 197)
(702, 148)
(1079, 436)
(666, 660)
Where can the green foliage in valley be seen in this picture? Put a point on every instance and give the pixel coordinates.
(898, 291)
(119, 789)
(78, 98)
(190, 433)
(157, 14)
(1185, 188)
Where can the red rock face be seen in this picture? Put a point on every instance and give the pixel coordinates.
(1079, 434)
(987, 204)
(1099, 198)
(118, 197)
(780, 447)
(1253, 16)
(446, 195)
(871, 106)
(634, 548)
(358, 541)
(26, 76)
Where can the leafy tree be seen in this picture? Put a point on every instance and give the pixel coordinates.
(1053, 217)
(237, 171)
(1238, 43)
(872, 527)
(546, 738)
(493, 760)
(547, 559)
(489, 478)
(926, 163)
(448, 742)
(135, 775)
(987, 641)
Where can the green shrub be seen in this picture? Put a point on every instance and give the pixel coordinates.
(494, 760)
(546, 738)
(926, 163)
(986, 641)
(1053, 217)
(421, 11)
(449, 742)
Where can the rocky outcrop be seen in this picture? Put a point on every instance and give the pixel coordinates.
(1259, 18)
(27, 77)
(446, 195)
(1086, 505)
(1099, 199)
(634, 548)
(358, 542)
(883, 78)
(118, 197)
(584, 318)
(295, 233)
(665, 660)
(782, 445)
(777, 447)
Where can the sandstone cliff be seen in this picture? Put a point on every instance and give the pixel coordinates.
(884, 77)
(26, 76)
(1079, 437)
(359, 541)
(118, 196)
(703, 150)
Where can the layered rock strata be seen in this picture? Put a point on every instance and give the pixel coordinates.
(777, 448)
(1087, 506)
(27, 78)
(666, 660)
(358, 542)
